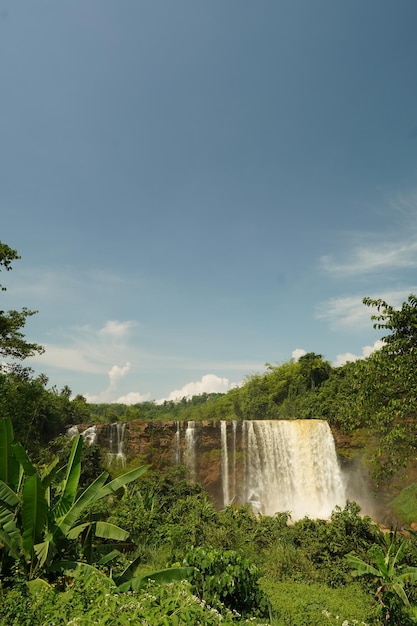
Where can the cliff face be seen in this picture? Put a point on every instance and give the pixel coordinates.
(161, 444)
(278, 465)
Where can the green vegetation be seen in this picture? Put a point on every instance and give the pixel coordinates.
(405, 504)
(78, 546)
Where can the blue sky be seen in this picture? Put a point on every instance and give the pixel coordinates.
(197, 188)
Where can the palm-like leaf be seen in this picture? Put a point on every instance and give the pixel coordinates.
(121, 481)
(34, 512)
(10, 535)
(8, 498)
(392, 577)
(110, 531)
(361, 568)
(72, 477)
(9, 466)
(87, 498)
(399, 590)
(160, 577)
(20, 454)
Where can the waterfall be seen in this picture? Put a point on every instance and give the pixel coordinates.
(190, 449)
(116, 444)
(234, 462)
(273, 465)
(292, 466)
(72, 431)
(90, 435)
(177, 442)
(224, 462)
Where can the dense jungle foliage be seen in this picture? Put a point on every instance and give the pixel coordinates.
(79, 545)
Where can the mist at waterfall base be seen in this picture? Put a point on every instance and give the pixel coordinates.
(273, 465)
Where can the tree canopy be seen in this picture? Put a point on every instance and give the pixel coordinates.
(401, 322)
(12, 340)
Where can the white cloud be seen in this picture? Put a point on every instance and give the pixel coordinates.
(116, 329)
(209, 383)
(115, 374)
(373, 257)
(133, 397)
(350, 313)
(341, 359)
(297, 354)
(69, 358)
(90, 350)
(344, 312)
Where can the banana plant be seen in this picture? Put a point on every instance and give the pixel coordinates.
(40, 521)
(390, 574)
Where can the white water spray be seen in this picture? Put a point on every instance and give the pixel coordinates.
(90, 435)
(177, 441)
(292, 466)
(274, 465)
(116, 453)
(224, 462)
(190, 449)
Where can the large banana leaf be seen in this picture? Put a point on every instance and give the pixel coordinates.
(34, 512)
(10, 536)
(88, 572)
(110, 531)
(48, 473)
(88, 497)
(110, 556)
(129, 571)
(9, 466)
(160, 577)
(104, 530)
(20, 454)
(94, 492)
(8, 497)
(121, 481)
(70, 483)
(76, 531)
(44, 551)
(361, 567)
(399, 590)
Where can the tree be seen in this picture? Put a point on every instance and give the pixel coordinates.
(389, 387)
(314, 369)
(401, 322)
(12, 341)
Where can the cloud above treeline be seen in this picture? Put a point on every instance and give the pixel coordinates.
(209, 383)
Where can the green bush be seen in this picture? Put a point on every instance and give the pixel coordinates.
(227, 578)
(91, 601)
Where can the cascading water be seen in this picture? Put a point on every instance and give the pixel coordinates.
(177, 441)
(190, 449)
(224, 462)
(72, 431)
(90, 435)
(116, 453)
(292, 466)
(275, 465)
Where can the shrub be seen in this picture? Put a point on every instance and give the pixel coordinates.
(227, 578)
(90, 601)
